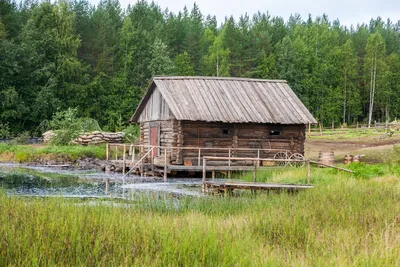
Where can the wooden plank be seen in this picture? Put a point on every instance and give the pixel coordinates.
(228, 101)
(262, 186)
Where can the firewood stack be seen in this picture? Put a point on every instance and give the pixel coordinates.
(47, 136)
(97, 137)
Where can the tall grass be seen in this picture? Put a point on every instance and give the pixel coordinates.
(29, 153)
(343, 221)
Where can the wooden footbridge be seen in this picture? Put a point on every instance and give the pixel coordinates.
(124, 157)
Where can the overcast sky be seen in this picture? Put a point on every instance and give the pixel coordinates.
(347, 11)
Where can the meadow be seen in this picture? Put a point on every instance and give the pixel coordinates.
(38, 153)
(346, 220)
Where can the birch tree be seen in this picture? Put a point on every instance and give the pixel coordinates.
(374, 63)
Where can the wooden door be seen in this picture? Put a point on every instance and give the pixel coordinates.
(154, 139)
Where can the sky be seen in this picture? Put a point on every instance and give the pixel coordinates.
(347, 11)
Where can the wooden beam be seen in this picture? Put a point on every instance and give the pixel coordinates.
(165, 165)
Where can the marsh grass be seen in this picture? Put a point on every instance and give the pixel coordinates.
(344, 220)
(30, 153)
(22, 177)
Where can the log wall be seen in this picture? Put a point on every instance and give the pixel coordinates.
(175, 133)
(244, 135)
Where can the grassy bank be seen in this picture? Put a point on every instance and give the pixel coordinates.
(30, 153)
(346, 220)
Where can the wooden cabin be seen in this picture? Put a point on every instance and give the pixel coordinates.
(236, 116)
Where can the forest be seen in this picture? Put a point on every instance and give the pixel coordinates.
(99, 59)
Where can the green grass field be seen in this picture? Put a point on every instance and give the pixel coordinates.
(30, 153)
(346, 220)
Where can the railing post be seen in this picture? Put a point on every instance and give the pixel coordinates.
(204, 170)
(116, 152)
(258, 157)
(199, 157)
(308, 172)
(165, 165)
(133, 154)
(124, 160)
(229, 161)
(107, 151)
(255, 172)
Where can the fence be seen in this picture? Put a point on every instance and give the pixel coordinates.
(318, 130)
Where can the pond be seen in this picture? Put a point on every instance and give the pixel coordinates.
(41, 181)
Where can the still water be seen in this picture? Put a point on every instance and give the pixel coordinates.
(44, 181)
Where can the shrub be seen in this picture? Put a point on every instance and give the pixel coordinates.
(67, 126)
(131, 133)
(21, 139)
(4, 130)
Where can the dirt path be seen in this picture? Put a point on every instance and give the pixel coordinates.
(373, 147)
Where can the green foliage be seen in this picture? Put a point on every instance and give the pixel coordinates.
(68, 126)
(183, 66)
(367, 171)
(160, 63)
(4, 130)
(21, 138)
(99, 59)
(131, 133)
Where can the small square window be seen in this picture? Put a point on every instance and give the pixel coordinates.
(225, 131)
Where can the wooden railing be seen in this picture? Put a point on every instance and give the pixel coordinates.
(116, 149)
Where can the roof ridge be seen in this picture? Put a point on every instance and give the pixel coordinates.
(216, 78)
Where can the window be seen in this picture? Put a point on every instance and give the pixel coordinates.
(275, 132)
(226, 132)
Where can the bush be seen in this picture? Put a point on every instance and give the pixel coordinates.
(131, 133)
(4, 130)
(21, 139)
(67, 126)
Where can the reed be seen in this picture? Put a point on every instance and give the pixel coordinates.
(344, 220)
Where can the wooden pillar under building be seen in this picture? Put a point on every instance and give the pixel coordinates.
(141, 163)
(124, 159)
(107, 184)
(116, 152)
(165, 165)
(308, 172)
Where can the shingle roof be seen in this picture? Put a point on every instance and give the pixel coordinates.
(229, 100)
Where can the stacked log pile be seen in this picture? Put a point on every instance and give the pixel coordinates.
(47, 136)
(97, 137)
